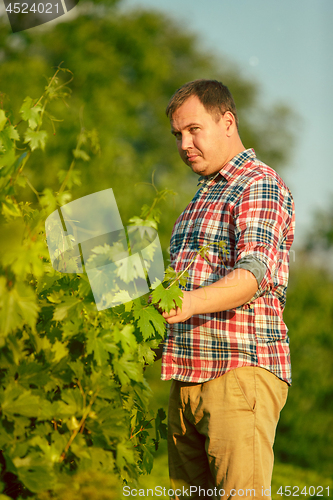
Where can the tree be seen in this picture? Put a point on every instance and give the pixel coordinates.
(126, 67)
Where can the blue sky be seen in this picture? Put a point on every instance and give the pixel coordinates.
(286, 47)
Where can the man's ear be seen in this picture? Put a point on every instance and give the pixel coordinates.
(229, 122)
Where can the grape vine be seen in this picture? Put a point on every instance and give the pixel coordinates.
(73, 396)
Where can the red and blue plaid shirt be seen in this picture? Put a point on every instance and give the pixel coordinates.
(249, 207)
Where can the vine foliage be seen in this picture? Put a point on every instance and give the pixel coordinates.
(73, 396)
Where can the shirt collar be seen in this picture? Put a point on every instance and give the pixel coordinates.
(231, 168)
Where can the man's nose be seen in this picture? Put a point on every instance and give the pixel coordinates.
(186, 141)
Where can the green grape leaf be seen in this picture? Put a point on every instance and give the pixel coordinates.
(145, 223)
(127, 369)
(109, 420)
(101, 344)
(171, 276)
(13, 133)
(66, 308)
(145, 352)
(167, 299)
(51, 452)
(125, 336)
(27, 258)
(10, 208)
(79, 447)
(149, 320)
(80, 154)
(25, 404)
(101, 460)
(46, 282)
(6, 439)
(3, 119)
(36, 139)
(77, 369)
(16, 347)
(20, 426)
(59, 350)
(30, 113)
(71, 404)
(130, 269)
(7, 160)
(7, 136)
(100, 350)
(160, 426)
(37, 477)
(124, 455)
(32, 373)
(17, 307)
(147, 459)
(71, 328)
(5, 141)
(204, 253)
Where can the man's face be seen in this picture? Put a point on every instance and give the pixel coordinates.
(203, 143)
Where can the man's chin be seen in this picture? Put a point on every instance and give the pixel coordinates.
(197, 168)
(195, 165)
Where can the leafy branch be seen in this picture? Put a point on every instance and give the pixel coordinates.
(84, 137)
(141, 429)
(202, 252)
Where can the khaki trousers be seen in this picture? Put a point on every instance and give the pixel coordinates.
(221, 435)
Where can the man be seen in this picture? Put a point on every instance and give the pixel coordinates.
(227, 348)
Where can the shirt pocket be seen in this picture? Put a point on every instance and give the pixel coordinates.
(208, 230)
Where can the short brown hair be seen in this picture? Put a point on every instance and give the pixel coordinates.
(213, 95)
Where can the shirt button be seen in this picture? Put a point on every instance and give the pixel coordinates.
(205, 189)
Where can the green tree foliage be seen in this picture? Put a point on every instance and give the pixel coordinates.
(320, 239)
(305, 432)
(73, 398)
(126, 67)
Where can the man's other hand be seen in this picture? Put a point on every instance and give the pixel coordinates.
(180, 314)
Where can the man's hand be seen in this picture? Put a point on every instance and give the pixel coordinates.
(178, 315)
(234, 290)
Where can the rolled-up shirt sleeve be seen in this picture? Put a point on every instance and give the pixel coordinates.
(262, 216)
(254, 265)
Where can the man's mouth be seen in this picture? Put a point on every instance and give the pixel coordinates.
(191, 157)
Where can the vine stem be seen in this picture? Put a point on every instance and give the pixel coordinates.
(63, 185)
(141, 429)
(31, 187)
(78, 144)
(80, 426)
(199, 252)
(183, 272)
(19, 172)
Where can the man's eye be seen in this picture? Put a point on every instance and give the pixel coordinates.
(178, 135)
(194, 129)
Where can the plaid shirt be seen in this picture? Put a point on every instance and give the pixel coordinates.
(247, 206)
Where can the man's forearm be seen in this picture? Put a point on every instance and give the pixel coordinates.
(234, 290)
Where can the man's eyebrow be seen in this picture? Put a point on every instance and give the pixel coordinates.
(175, 131)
